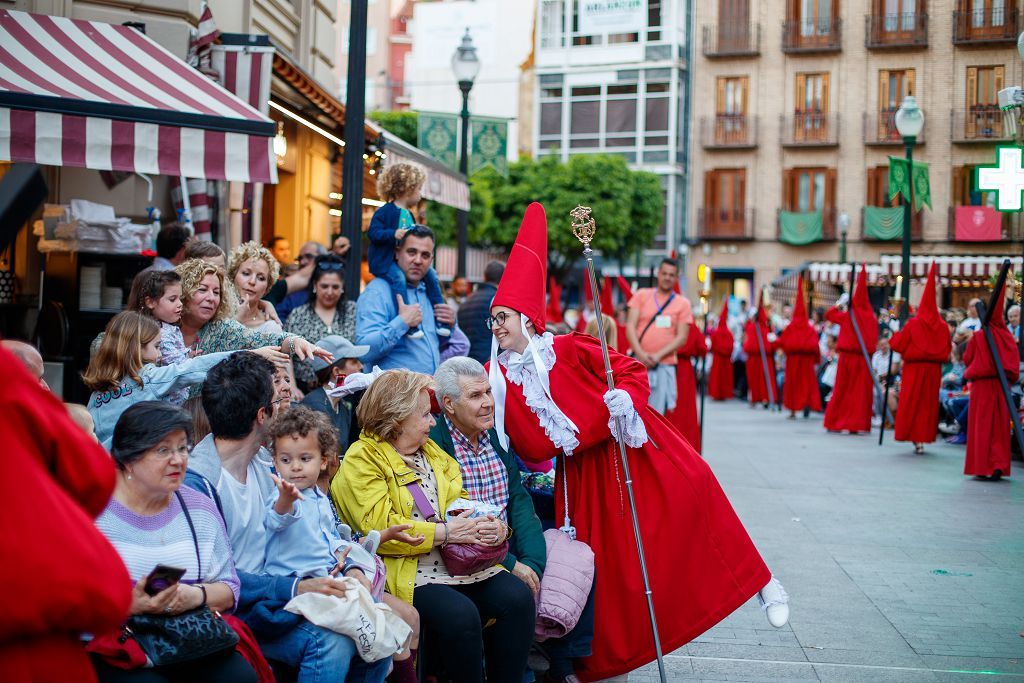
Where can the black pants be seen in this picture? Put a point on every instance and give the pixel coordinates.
(222, 667)
(454, 640)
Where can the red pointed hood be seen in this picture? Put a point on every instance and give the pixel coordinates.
(867, 321)
(927, 333)
(554, 310)
(607, 306)
(799, 336)
(721, 339)
(525, 279)
(979, 359)
(627, 293)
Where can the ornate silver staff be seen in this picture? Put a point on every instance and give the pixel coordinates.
(584, 227)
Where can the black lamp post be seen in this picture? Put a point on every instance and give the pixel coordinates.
(355, 140)
(465, 66)
(909, 122)
(844, 230)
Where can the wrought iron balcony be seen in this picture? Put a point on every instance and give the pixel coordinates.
(892, 31)
(809, 129)
(728, 131)
(730, 224)
(978, 124)
(812, 35)
(992, 26)
(731, 39)
(880, 129)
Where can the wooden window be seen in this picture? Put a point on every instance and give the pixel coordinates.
(731, 110)
(987, 15)
(810, 121)
(725, 192)
(983, 119)
(898, 16)
(809, 189)
(733, 25)
(814, 16)
(893, 86)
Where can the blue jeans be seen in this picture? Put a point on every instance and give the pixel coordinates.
(323, 656)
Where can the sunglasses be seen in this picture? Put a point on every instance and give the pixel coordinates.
(330, 266)
(498, 319)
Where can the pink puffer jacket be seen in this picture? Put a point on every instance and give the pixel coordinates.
(565, 586)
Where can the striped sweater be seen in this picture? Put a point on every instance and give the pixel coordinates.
(144, 541)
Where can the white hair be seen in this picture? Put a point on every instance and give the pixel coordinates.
(446, 377)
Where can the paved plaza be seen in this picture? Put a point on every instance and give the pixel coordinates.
(899, 567)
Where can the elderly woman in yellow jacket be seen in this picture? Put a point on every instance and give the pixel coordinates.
(370, 492)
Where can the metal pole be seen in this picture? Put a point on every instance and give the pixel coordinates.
(703, 385)
(908, 212)
(355, 141)
(842, 247)
(463, 216)
(768, 379)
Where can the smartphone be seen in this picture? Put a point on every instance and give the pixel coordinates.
(161, 578)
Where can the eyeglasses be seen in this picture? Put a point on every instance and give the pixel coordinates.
(330, 266)
(498, 318)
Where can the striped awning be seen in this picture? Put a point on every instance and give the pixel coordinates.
(105, 97)
(839, 273)
(955, 267)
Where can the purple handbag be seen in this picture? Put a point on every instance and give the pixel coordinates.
(461, 559)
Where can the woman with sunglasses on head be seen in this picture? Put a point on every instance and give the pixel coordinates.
(325, 313)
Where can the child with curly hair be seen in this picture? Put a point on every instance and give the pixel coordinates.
(399, 185)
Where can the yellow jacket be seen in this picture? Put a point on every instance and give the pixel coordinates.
(369, 492)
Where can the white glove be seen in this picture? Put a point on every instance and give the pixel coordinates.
(843, 299)
(355, 382)
(619, 403)
(771, 337)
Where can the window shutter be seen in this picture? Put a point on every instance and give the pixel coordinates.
(745, 86)
(789, 189)
(830, 188)
(972, 86)
(911, 88)
(883, 89)
(801, 83)
(998, 74)
(709, 191)
(824, 93)
(741, 192)
(720, 95)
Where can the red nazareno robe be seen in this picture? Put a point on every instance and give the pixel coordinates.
(755, 367)
(64, 576)
(988, 418)
(799, 341)
(684, 417)
(721, 382)
(698, 579)
(853, 394)
(924, 345)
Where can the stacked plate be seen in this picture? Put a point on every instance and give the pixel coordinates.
(90, 287)
(111, 298)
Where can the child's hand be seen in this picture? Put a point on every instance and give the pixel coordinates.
(397, 533)
(400, 233)
(287, 494)
(341, 554)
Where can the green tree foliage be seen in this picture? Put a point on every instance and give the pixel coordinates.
(403, 124)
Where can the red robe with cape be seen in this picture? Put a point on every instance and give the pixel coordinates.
(64, 577)
(924, 344)
(853, 393)
(702, 563)
(988, 419)
(755, 367)
(685, 417)
(721, 382)
(799, 341)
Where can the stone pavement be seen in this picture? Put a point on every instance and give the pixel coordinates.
(899, 568)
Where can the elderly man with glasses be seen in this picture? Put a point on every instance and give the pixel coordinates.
(465, 430)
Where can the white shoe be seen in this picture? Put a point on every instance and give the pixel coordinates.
(775, 603)
(444, 331)
(415, 333)
(876, 421)
(371, 541)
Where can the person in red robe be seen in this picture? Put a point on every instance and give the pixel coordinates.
(849, 409)
(988, 417)
(799, 342)
(552, 400)
(924, 344)
(64, 576)
(721, 382)
(684, 417)
(759, 391)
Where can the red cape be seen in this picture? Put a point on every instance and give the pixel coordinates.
(988, 418)
(64, 576)
(799, 341)
(759, 391)
(853, 394)
(685, 417)
(717, 559)
(721, 381)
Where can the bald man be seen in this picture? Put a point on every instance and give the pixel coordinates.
(29, 357)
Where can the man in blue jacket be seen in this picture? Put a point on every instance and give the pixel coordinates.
(231, 466)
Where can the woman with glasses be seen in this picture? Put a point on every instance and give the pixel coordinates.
(325, 313)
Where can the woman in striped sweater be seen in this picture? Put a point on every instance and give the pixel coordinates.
(148, 522)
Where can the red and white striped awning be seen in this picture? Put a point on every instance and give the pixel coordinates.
(957, 267)
(90, 94)
(839, 273)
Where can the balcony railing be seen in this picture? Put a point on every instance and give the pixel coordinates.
(728, 131)
(880, 129)
(885, 31)
(715, 223)
(812, 35)
(981, 123)
(828, 224)
(1011, 227)
(916, 226)
(809, 129)
(731, 39)
(993, 26)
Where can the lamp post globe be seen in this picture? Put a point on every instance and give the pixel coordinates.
(909, 123)
(909, 118)
(465, 63)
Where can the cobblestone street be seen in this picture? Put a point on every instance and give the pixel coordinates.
(899, 567)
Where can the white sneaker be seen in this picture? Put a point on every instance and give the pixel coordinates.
(371, 541)
(876, 421)
(444, 331)
(775, 603)
(415, 333)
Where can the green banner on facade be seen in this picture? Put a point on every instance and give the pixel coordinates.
(800, 227)
(883, 222)
(900, 178)
(438, 136)
(490, 144)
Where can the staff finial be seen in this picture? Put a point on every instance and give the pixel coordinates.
(583, 225)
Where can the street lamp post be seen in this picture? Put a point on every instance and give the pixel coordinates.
(844, 230)
(909, 122)
(465, 66)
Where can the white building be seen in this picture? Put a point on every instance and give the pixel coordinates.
(611, 78)
(502, 33)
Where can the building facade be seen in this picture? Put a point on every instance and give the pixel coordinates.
(796, 121)
(387, 44)
(612, 92)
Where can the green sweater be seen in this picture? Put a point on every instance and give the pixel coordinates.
(526, 544)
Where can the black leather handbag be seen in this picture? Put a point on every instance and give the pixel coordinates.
(183, 637)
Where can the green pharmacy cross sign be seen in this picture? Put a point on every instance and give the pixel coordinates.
(1005, 178)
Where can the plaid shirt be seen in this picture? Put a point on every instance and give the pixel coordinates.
(483, 473)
